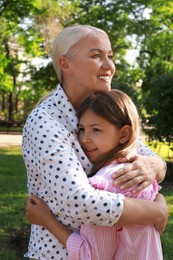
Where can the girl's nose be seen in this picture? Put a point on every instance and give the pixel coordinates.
(85, 139)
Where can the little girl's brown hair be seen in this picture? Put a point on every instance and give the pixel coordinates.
(118, 108)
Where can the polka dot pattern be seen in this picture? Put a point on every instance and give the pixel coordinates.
(56, 167)
(144, 149)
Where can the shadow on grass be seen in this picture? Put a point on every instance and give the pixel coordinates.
(15, 243)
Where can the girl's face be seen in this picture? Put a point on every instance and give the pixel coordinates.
(97, 135)
(92, 68)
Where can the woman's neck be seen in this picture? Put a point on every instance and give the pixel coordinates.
(75, 95)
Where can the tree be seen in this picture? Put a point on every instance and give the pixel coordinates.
(19, 41)
(156, 60)
(28, 29)
(139, 24)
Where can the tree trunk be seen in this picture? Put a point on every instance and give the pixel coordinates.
(10, 107)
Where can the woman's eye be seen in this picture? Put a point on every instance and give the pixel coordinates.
(110, 57)
(96, 55)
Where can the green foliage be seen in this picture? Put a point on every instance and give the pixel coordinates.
(28, 28)
(26, 31)
(157, 63)
(19, 41)
(157, 100)
(154, 37)
(45, 78)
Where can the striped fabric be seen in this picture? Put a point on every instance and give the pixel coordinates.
(110, 243)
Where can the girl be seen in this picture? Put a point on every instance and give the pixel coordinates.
(108, 129)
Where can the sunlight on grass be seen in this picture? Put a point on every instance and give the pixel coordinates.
(17, 150)
(163, 149)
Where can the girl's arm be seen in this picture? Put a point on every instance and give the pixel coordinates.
(39, 213)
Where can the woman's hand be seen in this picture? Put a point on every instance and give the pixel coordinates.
(38, 212)
(139, 173)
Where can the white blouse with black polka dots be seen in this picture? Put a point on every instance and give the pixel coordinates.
(56, 170)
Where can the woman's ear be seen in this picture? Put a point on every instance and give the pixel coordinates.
(125, 134)
(65, 65)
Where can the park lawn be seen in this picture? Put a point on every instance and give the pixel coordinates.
(167, 237)
(14, 227)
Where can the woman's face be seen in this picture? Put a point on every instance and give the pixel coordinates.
(92, 68)
(97, 135)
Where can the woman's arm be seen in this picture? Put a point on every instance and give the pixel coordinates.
(39, 213)
(140, 172)
(136, 211)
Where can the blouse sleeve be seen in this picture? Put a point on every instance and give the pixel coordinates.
(143, 149)
(56, 175)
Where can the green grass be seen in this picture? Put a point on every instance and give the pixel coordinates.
(13, 194)
(14, 227)
(166, 237)
(11, 129)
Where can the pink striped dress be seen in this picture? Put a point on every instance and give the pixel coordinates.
(136, 242)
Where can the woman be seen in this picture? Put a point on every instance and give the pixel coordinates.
(108, 129)
(57, 166)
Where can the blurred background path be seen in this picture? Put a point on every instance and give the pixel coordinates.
(7, 140)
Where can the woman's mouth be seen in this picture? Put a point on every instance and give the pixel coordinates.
(105, 78)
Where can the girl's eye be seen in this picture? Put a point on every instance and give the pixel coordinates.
(80, 129)
(96, 130)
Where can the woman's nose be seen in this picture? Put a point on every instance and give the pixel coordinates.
(108, 64)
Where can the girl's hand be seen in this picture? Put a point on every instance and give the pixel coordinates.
(37, 211)
(139, 173)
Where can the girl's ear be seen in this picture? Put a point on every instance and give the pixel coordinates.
(65, 65)
(125, 134)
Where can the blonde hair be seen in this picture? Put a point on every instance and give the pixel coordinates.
(66, 43)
